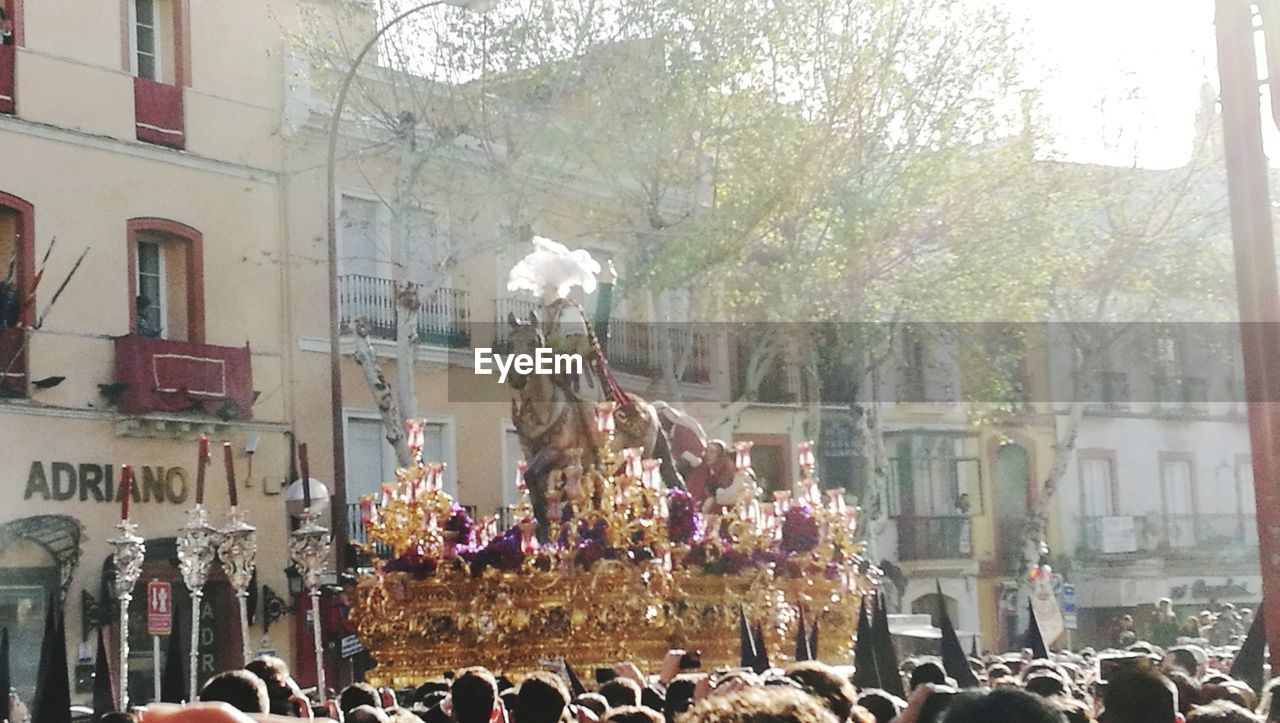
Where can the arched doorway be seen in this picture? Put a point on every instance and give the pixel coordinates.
(932, 604)
(38, 556)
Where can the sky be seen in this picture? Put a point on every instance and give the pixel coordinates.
(1119, 80)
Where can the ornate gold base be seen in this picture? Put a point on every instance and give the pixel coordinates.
(514, 623)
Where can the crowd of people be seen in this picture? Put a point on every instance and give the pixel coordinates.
(1142, 683)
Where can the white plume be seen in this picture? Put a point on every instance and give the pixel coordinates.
(551, 267)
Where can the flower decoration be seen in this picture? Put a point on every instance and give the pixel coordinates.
(685, 524)
(799, 529)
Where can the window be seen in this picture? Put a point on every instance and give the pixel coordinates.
(145, 41)
(16, 271)
(151, 296)
(1178, 489)
(1246, 494)
(359, 236)
(1097, 485)
(166, 285)
(512, 452)
(10, 22)
(935, 475)
(371, 461)
(156, 41)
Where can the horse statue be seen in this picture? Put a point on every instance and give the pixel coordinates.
(554, 414)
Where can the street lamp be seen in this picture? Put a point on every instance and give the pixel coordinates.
(339, 511)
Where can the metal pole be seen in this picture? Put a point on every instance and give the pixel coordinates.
(193, 655)
(1257, 291)
(316, 641)
(124, 651)
(155, 667)
(130, 550)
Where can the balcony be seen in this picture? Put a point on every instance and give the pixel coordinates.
(443, 317)
(158, 114)
(634, 348)
(1109, 392)
(177, 376)
(13, 363)
(505, 307)
(1180, 395)
(8, 63)
(934, 538)
(1171, 535)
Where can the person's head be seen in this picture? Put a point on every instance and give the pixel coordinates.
(510, 699)
(937, 704)
(1075, 711)
(357, 694)
(274, 672)
(240, 689)
(1191, 659)
(429, 688)
(621, 692)
(475, 695)
(679, 696)
(823, 682)
(1232, 691)
(759, 704)
(715, 451)
(1222, 711)
(593, 702)
(1002, 705)
(883, 705)
(542, 698)
(1126, 621)
(1047, 684)
(1188, 689)
(1140, 695)
(1165, 605)
(633, 714)
(365, 714)
(928, 672)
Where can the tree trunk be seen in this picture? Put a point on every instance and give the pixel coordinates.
(388, 409)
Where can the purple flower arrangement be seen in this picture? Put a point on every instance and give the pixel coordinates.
(685, 524)
(799, 529)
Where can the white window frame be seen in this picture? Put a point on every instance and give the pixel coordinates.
(510, 495)
(155, 40)
(161, 303)
(449, 436)
(382, 267)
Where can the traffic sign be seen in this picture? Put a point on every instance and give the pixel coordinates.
(159, 608)
(1069, 607)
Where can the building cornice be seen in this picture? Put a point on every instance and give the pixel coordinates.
(134, 149)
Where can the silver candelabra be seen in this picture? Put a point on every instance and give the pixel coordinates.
(197, 541)
(309, 548)
(130, 550)
(238, 550)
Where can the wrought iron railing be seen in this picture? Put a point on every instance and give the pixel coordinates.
(1109, 391)
(935, 538)
(1207, 534)
(1180, 394)
(443, 316)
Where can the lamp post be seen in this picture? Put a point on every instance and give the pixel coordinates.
(339, 511)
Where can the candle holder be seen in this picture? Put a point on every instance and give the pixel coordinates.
(309, 548)
(238, 550)
(197, 541)
(130, 550)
